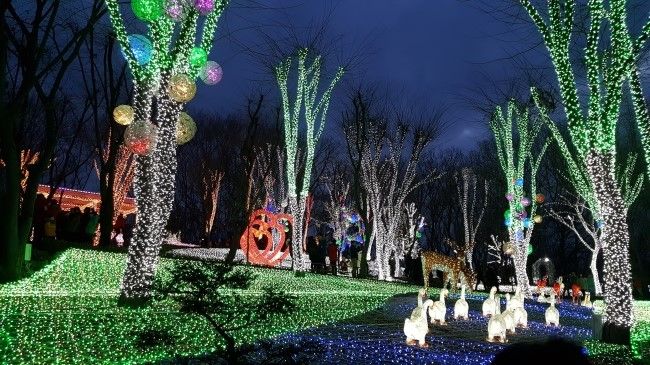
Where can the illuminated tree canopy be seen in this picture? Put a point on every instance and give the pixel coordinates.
(609, 57)
(302, 107)
(164, 64)
(519, 165)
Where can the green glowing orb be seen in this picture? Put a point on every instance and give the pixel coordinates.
(198, 57)
(148, 10)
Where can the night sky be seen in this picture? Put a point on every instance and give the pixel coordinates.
(432, 52)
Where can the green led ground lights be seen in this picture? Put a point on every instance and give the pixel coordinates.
(302, 107)
(519, 165)
(67, 313)
(593, 133)
(164, 65)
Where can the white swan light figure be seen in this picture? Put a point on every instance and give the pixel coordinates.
(439, 309)
(497, 325)
(489, 304)
(552, 315)
(416, 327)
(461, 308)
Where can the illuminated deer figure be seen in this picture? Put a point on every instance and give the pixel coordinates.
(453, 268)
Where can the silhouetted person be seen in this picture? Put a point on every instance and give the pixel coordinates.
(333, 255)
(558, 351)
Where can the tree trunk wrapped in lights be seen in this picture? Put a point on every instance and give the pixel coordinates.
(516, 163)
(593, 132)
(471, 222)
(303, 106)
(163, 66)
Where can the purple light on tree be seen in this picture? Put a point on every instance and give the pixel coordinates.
(211, 73)
(204, 6)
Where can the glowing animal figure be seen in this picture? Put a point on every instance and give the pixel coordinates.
(521, 317)
(461, 308)
(489, 303)
(497, 325)
(517, 300)
(587, 301)
(552, 315)
(416, 327)
(509, 316)
(453, 269)
(439, 309)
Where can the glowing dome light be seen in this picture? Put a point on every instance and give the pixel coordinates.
(185, 128)
(141, 47)
(211, 73)
(204, 6)
(181, 88)
(123, 114)
(141, 137)
(147, 10)
(198, 57)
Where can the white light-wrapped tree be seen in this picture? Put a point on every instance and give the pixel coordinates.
(468, 187)
(519, 166)
(408, 244)
(389, 179)
(575, 214)
(163, 65)
(302, 109)
(609, 57)
(338, 187)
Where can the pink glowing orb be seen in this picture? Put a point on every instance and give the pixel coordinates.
(211, 73)
(204, 6)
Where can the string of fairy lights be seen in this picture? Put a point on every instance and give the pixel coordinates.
(305, 107)
(521, 217)
(593, 129)
(164, 64)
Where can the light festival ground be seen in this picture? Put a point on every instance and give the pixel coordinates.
(67, 313)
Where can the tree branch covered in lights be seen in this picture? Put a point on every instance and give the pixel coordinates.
(163, 64)
(302, 106)
(519, 165)
(388, 180)
(593, 132)
(467, 187)
(568, 212)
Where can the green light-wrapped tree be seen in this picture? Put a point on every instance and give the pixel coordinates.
(519, 166)
(592, 130)
(164, 65)
(302, 107)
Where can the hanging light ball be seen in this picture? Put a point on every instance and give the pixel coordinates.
(211, 73)
(509, 197)
(507, 222)
(185, 128)
(519, 182)
(204, 7)
(539, 198)
(525, 201)
(123, 114)
(141, 47)
(527, 223)
(177, 9)
(507, 214)
(530, 249)
(198, 57)
(537, 218)
(141, 137)
(181, 88)
(508, 248)
(147, 10)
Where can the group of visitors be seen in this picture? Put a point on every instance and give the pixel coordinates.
(76, 225)
(340, 258)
